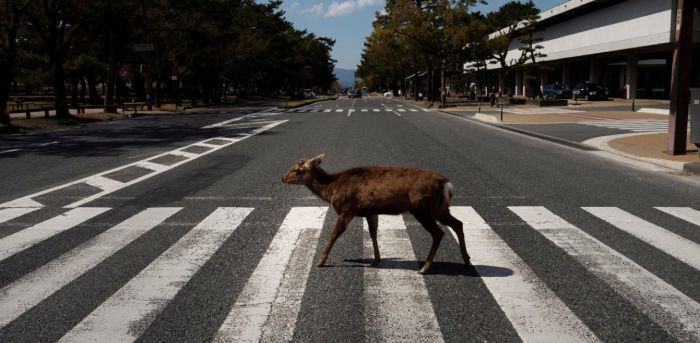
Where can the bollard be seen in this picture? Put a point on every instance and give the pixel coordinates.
(479, 106)
(501, 113)
(632, 104)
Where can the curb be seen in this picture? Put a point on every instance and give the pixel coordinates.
(598, 144)
(601, 143)
(492, 121)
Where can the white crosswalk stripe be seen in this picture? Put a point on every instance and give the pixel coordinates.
(26, 238)
(539, 110)
(157, 284)
(12, 213)
(650, 125)
(526, 301)
(31, 289)
(686, 213)
(269, 304)
(397, 302)
(671, 309)
(664, 240)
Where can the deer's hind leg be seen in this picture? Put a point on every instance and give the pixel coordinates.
(436, 232)
(373, 223)
(341, 223)
(447, 219)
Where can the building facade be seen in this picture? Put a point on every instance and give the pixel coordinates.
(625, 46)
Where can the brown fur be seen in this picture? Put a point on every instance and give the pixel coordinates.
(370, 191)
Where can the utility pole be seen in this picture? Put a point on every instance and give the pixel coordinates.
(680, 79)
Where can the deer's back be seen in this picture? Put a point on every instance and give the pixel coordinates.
(388, 190)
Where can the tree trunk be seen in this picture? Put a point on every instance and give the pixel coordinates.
(5, 82)
(59, 78)
(74, 90)
(110, 106)
(7, 69)
(92, 88)
(82, 89)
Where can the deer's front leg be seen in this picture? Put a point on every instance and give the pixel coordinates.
(340, 225)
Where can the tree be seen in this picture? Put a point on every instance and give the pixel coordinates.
(507, 23)
(10, 24)
(58, 23)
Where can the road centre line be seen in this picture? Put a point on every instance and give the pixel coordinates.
(108, 186)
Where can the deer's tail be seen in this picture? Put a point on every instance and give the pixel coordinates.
(448, 191)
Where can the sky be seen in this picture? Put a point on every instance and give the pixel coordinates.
(350, 21)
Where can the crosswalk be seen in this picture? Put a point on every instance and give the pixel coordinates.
(398, 304)
(340, 110)
(650, 125)
(539, 110)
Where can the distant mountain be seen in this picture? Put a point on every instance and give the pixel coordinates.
(346, 77)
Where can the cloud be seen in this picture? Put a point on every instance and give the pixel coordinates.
(315, 9)
(336, 9)
(293, 6)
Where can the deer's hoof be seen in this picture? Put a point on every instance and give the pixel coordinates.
(425, 269)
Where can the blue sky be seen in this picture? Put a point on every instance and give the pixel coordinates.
(350, 21)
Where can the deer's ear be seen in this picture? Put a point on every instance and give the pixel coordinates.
(314, 162)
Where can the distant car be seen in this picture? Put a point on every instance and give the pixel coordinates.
(589, 91)
(557, 91)
(388, 94)
(351, 94)
(356, 94)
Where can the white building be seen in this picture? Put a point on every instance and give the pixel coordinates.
(626, 46)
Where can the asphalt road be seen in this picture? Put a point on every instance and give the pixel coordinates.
(177, 228)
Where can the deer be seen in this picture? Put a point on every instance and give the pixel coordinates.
(370, 191)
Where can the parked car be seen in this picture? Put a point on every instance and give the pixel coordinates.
(351, 94)
(356, 94)
(557, 91)
(589, 91)
(389, 94)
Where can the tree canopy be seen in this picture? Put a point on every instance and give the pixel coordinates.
(156, 50)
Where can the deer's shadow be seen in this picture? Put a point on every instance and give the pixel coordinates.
(438, 268)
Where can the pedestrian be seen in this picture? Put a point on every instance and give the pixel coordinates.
(492, 97)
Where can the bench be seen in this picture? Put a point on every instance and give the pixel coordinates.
(30, 107)
(134, 105)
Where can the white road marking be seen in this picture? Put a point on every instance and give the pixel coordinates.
(397, 305)
(265, 311)
(364, 110)
(327, 110)
(153, 288)
(339, 110)
(350, 112)
(671, 309)
(686, 213)
(658, 237)
(413, 110)
(375, 110)
(49, 143)
(402, 110)
(536, 313)
(9, 151)
(28, 237)
(12, 213)
(108, 186)
(23, 294)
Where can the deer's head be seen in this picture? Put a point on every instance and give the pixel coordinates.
(300, 170)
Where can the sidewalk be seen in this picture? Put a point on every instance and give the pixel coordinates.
(648, 147)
